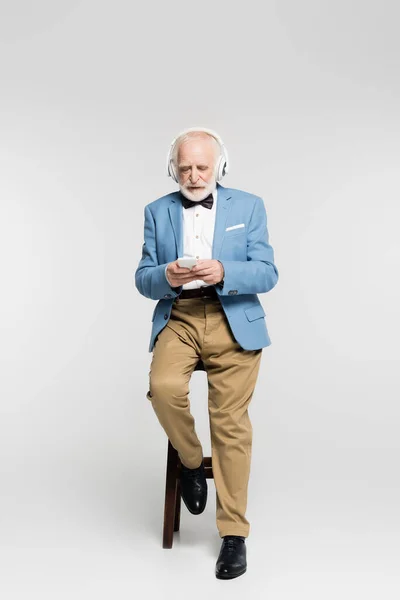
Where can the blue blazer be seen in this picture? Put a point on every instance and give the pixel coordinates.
(245, 253)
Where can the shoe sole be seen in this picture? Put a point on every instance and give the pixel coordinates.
(221, 576)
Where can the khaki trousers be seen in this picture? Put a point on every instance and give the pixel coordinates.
(198, 328)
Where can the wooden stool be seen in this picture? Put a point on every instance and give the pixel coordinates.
(172, 506)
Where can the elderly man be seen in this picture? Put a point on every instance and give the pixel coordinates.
(209, 313)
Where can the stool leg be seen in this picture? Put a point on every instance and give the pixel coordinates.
(170, 496)
(177, 505)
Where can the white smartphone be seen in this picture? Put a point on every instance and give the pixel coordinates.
(187, 261)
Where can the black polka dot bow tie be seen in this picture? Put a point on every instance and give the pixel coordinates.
(207, 202)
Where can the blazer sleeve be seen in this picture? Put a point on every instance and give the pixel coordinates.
(150, 277)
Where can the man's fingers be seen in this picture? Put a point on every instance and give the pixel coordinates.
(184, 277)
(179, 269)
(185, 274)
(204, 271)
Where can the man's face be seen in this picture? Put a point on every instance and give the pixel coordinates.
(195, 170)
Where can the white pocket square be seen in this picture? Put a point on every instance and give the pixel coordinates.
(234, 227)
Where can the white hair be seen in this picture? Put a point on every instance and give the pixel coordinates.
(191, 135)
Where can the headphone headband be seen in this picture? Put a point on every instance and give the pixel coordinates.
(223, 163)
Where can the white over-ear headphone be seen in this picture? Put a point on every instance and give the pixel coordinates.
(222, 167)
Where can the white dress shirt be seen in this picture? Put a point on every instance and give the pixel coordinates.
(198, 235)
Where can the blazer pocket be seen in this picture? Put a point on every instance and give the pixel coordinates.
(232, 227)
(254, 312)
(232, 232)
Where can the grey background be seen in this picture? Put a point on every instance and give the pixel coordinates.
(305, 96)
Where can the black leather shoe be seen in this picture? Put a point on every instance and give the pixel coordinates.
(194, 488)
(232, 557)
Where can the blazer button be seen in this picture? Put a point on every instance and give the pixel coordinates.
(167, 296)
(165, 316)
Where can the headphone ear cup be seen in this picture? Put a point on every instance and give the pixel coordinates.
(221, 168)
(172, 171)
(225, 161)
(218, 169)
(170, 165)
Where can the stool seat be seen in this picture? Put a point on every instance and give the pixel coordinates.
(172, 506)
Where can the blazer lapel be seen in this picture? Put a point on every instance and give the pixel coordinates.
(175, 215)
(223, 206)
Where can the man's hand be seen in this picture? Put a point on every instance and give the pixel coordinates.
(209, 270)
(178, 276)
